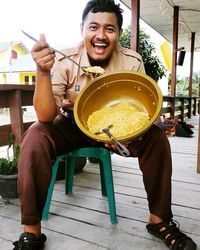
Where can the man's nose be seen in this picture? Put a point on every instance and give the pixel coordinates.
(101, 34)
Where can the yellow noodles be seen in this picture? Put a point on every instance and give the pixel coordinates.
(95, 69)
(124, 117)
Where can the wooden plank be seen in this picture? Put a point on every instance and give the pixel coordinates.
(16, 119)
(56, 240)
(82, 221)
(198, 150)
(82, 225)
(8, 87)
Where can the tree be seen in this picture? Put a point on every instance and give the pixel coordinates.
(182, 85)
(153, 66)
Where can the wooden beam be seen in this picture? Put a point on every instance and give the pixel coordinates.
(174, 53)
(16, 119)
(135, 16)
(191, 63)
(198, 150)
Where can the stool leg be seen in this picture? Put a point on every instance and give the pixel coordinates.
(50, 190)
(69, 174)
(102, 175)
(109, 187)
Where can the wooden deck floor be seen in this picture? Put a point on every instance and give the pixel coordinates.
(82, 221)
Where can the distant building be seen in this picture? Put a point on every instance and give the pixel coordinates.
(16, 64)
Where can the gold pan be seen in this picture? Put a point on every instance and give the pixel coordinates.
(138, 89)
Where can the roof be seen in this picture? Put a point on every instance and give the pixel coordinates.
(23, 64)
(159, 15)
(6, 45)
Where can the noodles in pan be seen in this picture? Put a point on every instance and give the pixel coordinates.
(124, 118)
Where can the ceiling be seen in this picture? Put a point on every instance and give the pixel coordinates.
(159, 15)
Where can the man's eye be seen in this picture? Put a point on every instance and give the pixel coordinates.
(93, 27)
(110, 30)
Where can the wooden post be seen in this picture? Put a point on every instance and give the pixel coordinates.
(174, 55)
(16, 120)
(189, 107)
(135, 15)
(191, 63)
(198, 150)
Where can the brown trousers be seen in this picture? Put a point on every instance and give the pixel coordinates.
(42, 142)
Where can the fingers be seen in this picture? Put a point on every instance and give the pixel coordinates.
(44, 60)
(113, 146)
(42, 37)
(110, 146)
(41, 44)
(42, 54)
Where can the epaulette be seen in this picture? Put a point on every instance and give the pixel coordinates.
(131, 53)
(68, 52)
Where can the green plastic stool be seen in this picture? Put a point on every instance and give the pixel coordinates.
(107, 186)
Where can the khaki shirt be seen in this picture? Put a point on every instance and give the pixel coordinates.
(68, 79)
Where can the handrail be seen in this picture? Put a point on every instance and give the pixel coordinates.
(14, 96)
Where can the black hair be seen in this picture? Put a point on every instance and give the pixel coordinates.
(95, 6)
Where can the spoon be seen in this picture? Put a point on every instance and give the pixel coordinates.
(121, 148)
(93, 71)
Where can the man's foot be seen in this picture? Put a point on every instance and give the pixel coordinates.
(169, 232)
(29, 241)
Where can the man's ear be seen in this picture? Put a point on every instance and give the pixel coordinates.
(120, 32)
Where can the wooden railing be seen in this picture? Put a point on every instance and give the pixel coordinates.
(180, 107)
(15, 97)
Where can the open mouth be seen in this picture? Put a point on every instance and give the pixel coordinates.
(100, 47)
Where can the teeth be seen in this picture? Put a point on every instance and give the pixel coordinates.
(100, 44)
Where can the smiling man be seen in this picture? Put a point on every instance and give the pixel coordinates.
(100, 36)
(58, 83)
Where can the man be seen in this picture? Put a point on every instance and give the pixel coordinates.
(56, 131)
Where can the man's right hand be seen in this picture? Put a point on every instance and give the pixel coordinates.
(43, 55)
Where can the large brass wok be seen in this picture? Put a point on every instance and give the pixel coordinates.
(138, 89)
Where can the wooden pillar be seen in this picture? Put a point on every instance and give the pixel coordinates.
(191, 63)
(135, 15)
(198, 150)
(16, 120)
(174, 53)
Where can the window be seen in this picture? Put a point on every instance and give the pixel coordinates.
(33, 79)
(26, 80)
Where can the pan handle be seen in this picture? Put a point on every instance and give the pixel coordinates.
(120, 147)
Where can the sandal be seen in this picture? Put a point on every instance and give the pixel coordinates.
(28, 241)
(169, 232)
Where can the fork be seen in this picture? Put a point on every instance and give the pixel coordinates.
(120, 147)
(84, 68)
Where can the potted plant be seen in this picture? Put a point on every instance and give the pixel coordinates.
(9, 170)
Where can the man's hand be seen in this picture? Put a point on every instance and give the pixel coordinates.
(110, 146)
(113, 146)
(43, 55)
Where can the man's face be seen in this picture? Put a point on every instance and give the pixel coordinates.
(100, 33)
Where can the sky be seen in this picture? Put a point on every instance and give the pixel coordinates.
(59, 20)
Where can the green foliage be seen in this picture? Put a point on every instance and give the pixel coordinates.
(153, 66)
(8, 166)
(182, 85)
